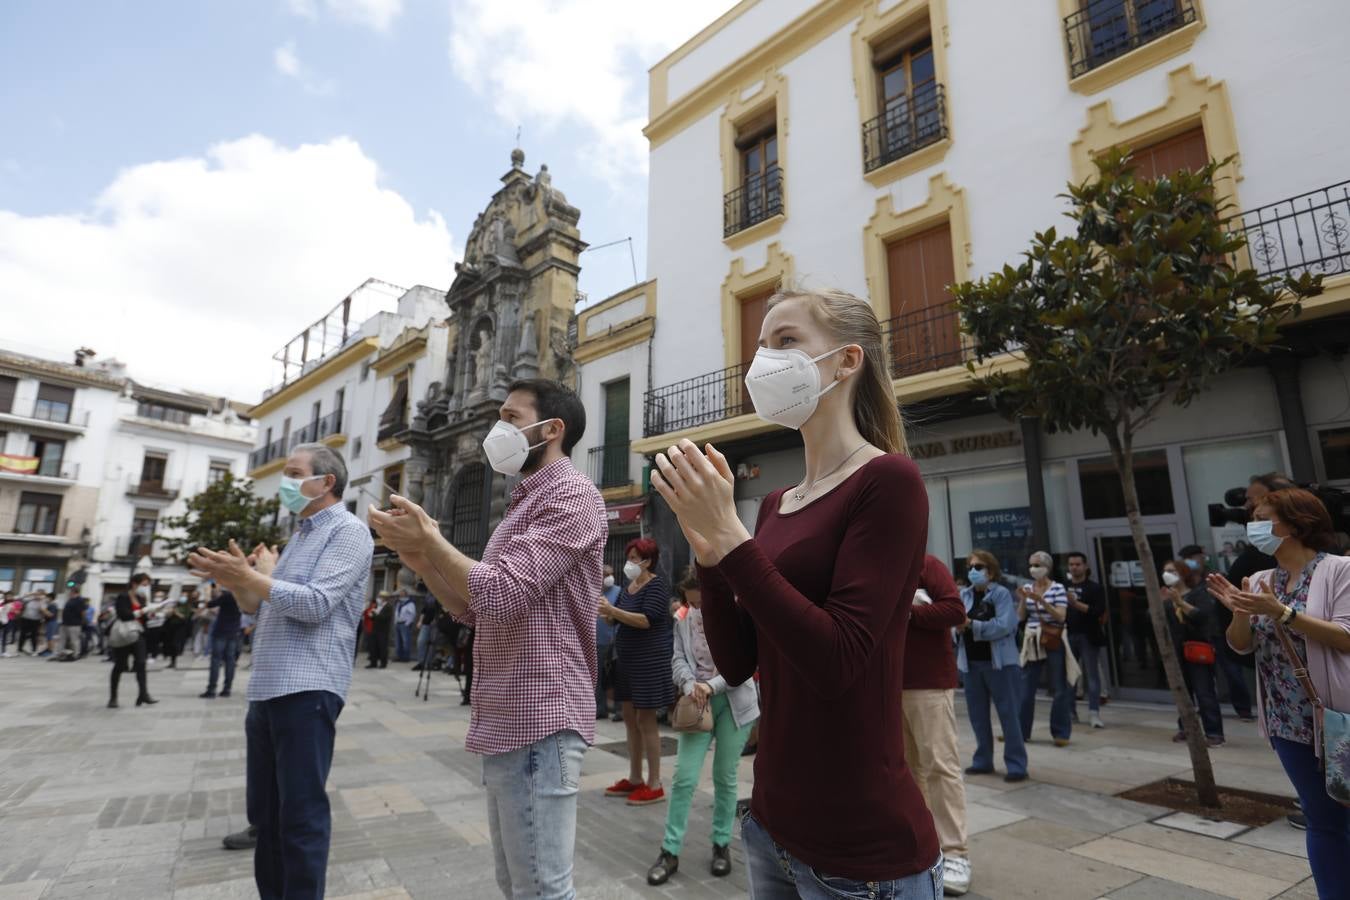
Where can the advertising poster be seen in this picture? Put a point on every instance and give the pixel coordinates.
(1006, 533)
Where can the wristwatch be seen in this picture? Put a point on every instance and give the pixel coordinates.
(1288, 616)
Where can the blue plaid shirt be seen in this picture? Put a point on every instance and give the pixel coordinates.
(306, 629)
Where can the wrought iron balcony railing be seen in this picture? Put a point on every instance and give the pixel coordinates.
(909, 124)
(925, 340)
(759, 198)
(317, 430)
(1106, 29)
(161, 489)
(696, 401)
(1306, 233)
(265, 454)
(610, 465)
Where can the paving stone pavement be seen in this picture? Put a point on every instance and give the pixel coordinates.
(133, 803)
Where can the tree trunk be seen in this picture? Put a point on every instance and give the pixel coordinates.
(1122, 453)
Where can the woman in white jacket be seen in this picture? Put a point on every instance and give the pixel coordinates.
(734, 708)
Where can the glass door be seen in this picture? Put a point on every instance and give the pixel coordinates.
(1136, 668)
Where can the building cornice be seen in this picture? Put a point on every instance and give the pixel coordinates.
(315, 377)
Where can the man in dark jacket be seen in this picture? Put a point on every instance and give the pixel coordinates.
(382, 621)
(72, 625)
(1087, 609)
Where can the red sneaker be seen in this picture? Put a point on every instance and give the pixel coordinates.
(622, 788)
(645, 796)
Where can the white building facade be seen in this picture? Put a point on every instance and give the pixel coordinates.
(894, 148)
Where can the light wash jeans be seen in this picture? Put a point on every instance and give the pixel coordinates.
(776, 874)
(532, 813)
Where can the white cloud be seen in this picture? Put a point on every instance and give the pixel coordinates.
(376, 14)
(194, 271)
(562, 63)
(288, 63)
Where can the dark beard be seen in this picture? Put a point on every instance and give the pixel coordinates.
(532, 459)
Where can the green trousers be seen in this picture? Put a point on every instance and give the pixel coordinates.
(689, 766)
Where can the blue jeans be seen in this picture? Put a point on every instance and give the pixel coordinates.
(1087, 652)
(1205, 693)
(532, 814)
(290, 750)
(1061, 712)
(423, 641)
(1328, 835)
(776, 874)
(403, 639)
(224, 650)
(983, 684)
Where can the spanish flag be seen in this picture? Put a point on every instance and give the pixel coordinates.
(21, 465)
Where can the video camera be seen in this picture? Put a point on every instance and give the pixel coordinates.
(1234, 510)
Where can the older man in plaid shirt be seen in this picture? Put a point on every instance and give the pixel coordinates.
(308, 603)
(532, 600)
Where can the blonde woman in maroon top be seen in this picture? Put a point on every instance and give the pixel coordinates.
(819, 600)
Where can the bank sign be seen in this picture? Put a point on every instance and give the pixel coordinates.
(1006, 533)
(994, 440)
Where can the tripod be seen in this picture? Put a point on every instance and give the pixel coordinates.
(424, 676)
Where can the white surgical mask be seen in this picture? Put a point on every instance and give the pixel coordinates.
(631, 570)
(1171, 579)
(1262, 537)
(1039, 572)
(507, 447)
(143, 592)
(784, 385)
(609, 582)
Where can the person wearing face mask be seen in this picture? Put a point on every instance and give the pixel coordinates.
(307, 601)
(642, 645)
(1087, 609)
(1295, 619)
(604, 651)
(1226, 662)
(132, 605)
(1045, 609)
(1190, 618)
(532, 600)
(819, 601)
(987, 654)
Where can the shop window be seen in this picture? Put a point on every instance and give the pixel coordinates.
(7, 574)
(1335, 444)
(1103, 497)
(38, 580)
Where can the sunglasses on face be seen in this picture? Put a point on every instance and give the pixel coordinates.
(977, 567)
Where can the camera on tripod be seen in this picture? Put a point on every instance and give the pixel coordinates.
(1233, 509)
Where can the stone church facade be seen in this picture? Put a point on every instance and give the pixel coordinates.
(512, 300)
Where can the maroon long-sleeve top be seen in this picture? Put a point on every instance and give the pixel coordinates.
(820, 602)
(930, 655)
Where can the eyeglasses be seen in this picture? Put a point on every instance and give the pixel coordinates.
(976, 567)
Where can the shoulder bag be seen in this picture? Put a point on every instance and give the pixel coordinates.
(1331, 729)
(692, 716)
(125, 633)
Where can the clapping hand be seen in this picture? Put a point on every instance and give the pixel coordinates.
(404, 528)
(230, 568)
(1223, 590)
(264, 559)
(698, 485)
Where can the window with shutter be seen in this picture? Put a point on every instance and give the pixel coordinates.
(54, 403)
(7, 388)
(924, 330)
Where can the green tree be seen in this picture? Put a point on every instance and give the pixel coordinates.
(1143, 305)
(227, 509)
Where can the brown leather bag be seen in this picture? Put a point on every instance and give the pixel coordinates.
(692, 716)
(1052, 636)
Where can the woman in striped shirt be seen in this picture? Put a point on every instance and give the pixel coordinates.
(1044, 607)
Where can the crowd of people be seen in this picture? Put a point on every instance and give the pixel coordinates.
(826, 637)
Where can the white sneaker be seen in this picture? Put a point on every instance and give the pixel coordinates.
(1097, 721)
(955, 875)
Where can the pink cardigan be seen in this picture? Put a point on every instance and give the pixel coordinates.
(1328, 599)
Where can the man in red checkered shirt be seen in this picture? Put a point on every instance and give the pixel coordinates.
(532, 600)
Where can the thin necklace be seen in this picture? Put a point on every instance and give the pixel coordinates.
(799, 493)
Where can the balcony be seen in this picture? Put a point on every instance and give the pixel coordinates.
(148, 489)
(135, 546)
(264, 455)
(1306, 233)
(50, 416)
(316, 431)
(910, 124)
(55, 532)
(610, 465)
(925, 340)
(1104, 30)
(47, 475)
(696, 401)
(760, 198)
(390, 429)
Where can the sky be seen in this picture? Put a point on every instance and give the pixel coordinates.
(186, 185)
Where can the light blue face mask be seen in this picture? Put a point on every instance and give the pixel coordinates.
(977, 577)
(1262, 537)
(290, 496)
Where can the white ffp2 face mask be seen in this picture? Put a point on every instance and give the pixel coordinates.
(507, 447)
(784, 385)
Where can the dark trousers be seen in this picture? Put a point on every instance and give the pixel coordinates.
(124, 659)
(290, 750)
(378, 646)
(28, 631)
(602, 652)
(1238, 695)
(1204, 693)
(1328, 835)
(224, 651)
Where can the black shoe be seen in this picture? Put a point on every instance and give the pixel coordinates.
(750, 750)
(1297, 820)
(1015, 777)
(417, 668)
(973, 770)
(242, 840)
(721, 861)
(617, 717)
(465, 701)
(666, 866)
(372, 665)
(112, 704)
(207, 695)
(225, 693)
(146, 701)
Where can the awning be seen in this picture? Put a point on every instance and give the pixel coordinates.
(624, 513)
